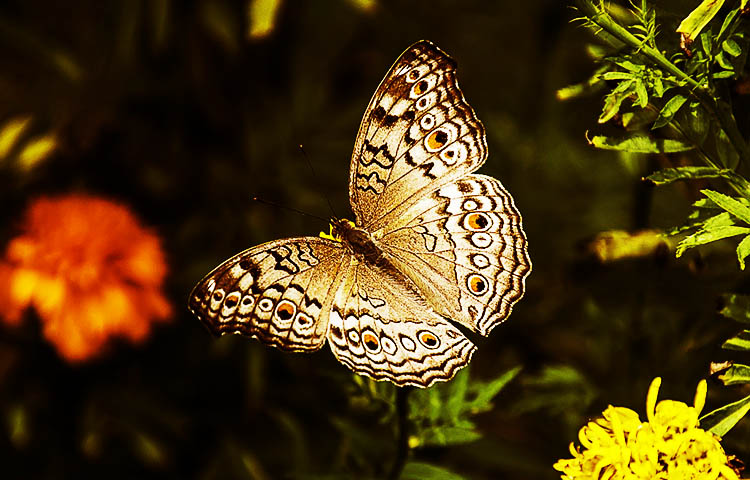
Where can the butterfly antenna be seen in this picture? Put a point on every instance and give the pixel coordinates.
(284, 207)
(317, 181)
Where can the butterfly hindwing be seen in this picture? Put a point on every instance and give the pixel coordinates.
(418, 132)
(380, 326)
(465, 247)
(279, 292)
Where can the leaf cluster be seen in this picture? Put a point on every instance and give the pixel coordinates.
(721, 420)
(668, 101)
(677, 101)
(440, 416)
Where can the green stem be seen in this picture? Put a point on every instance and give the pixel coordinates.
(718, 109)
(402, 440)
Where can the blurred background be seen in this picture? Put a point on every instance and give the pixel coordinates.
(183, 111)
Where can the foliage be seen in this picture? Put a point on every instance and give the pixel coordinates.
(440, 416)
(677, 100)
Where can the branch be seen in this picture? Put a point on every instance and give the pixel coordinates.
(718, 109)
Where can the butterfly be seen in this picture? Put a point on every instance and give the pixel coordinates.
(432, 243)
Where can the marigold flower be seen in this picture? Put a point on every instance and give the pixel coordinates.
(89, 269)
(669, 446)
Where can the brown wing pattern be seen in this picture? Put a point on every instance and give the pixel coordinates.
(381, 327)
(418, 132)
(279, 292)
(465, 248)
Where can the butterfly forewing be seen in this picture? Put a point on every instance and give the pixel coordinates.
(279, 292)
(417, 133)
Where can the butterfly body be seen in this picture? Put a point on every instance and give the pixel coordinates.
(357, 240)
(432, 243)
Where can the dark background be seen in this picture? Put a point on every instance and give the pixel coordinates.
(169, 107)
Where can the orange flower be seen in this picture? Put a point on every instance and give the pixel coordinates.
(89, 269)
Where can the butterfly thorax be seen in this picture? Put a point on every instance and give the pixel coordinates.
(357, 240)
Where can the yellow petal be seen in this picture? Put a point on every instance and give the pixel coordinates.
(700, 396)
(653, 393)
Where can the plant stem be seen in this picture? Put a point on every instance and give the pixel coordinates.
(402, 439)
(720, 110)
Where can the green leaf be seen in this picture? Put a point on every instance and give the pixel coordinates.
(669, 110)
(590, 86)
(743, 250)
(640, 143)
(488, 391)
(628, 64)
(699, 221)
(669, 175)
(706, 44)
(697, 122)
(731, 47)
(614, 100)
(705, 203)
(721, 420)
(731, 205)
(724, 62)
(658, 86)
(617, 76)
(447, 435)
(723, 74)
(692, 25)
(703, 237)
(736, 307)
(725, 150)
(426, 471)
(740, 342)
(641, 93)
(723, 219)
(727, 22)
(454, 405)
(737, 374)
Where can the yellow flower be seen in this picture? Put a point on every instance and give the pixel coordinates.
(669, 446)
(89, 269)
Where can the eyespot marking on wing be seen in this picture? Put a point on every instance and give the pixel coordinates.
(407, 342)
(479, 260)
(246, 305)
(285, 310)
(265, 304)
(388, 345)
(428, 339)
(230, 304)
(480, 239)
(427, 121)
(477, 222)
(371, 341)
(437, 140)
(477, 284)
